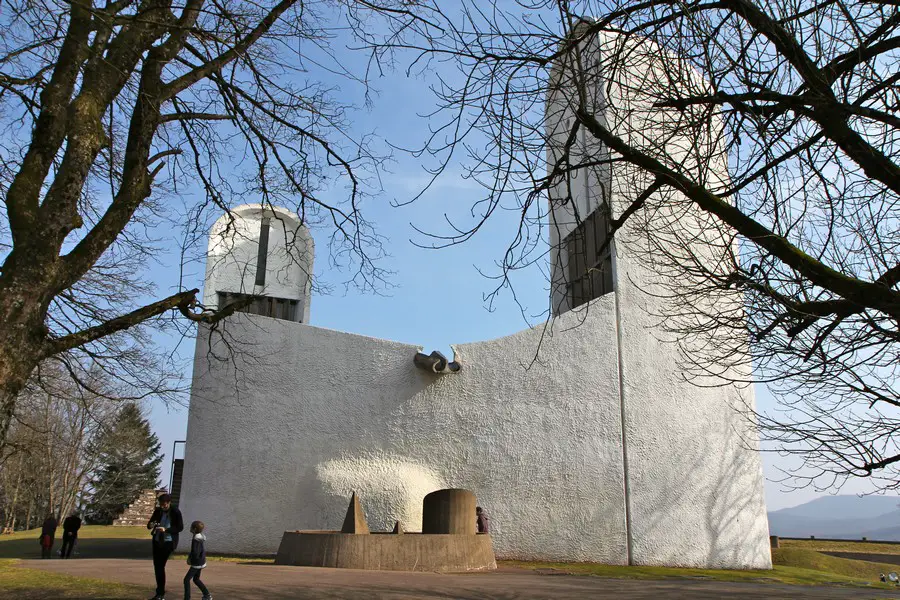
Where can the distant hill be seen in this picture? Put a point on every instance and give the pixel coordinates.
(842, 517)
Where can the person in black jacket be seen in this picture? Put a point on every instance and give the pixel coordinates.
(70, 533)
(196, 561)
(165, 524)
(48, 531)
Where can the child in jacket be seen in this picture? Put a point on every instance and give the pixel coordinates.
(196, 561)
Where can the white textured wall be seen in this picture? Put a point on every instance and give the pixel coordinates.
(307, 415)
(695, 492)
(319, 413)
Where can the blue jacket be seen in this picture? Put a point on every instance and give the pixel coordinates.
(197, 556)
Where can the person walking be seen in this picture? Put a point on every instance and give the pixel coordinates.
(70, 533)
(481, 520)
(196, 561)
(165, 524)
(48, 531)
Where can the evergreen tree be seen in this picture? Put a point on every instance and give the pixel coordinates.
(128, 462)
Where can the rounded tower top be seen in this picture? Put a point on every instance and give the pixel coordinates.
(264, 251)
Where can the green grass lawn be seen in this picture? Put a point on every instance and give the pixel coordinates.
(779, 574)
(796, 566)
(94, 541)
(848, 546)
(32, 584)
(99, 541)
(810, 559)
(88, 532)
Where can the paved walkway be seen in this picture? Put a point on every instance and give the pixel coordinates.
(235, 581)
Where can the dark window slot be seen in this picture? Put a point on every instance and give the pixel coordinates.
(262, 252)
(590, 266)
(267, 306)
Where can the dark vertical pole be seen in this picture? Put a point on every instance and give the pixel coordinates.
(172, 468)
(263, 253)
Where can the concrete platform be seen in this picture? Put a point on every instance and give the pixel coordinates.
(442, 553)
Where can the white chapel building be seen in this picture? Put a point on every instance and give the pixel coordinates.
(600, 451)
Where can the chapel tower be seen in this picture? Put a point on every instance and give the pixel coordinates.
(262, 251)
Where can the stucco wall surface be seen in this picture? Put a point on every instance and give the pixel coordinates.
(691, 474)
(686, 442)
(280, 436)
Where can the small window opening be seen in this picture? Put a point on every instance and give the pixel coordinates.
(263, 252)
(590, 266)
(267, 306)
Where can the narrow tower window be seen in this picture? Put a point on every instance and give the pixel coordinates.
(263, 253)
(590, 265)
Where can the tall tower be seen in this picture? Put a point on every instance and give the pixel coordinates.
(581, 206)
(261, 251)
(691, 434)
(618, 80)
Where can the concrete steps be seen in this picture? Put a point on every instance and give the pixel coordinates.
(177, 472)
(139, 511)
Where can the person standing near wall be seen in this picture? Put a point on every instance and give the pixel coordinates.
(70, 533)
(48, 531)
(481, 520)
(165, 524)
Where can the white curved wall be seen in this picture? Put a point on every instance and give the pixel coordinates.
(278, 438)
(321, 412)
(684, 445)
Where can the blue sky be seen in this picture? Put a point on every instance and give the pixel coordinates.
(437, 297)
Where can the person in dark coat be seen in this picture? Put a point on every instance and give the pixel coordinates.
(48, 531)
(70, 533)
(165, 524)
(481, 520)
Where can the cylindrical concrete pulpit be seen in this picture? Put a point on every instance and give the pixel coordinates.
(449, 511)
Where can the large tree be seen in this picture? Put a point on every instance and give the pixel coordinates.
(806, 98)
(110, 111)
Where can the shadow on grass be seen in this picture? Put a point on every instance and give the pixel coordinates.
(84, 548)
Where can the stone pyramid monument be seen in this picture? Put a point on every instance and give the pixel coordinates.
(355, 521)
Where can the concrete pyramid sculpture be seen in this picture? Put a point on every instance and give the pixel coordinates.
(398, 528)
(355, 521)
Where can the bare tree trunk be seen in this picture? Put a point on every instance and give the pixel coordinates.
(9, 521)
(21, 349)
(29, 513)
(15, 498)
